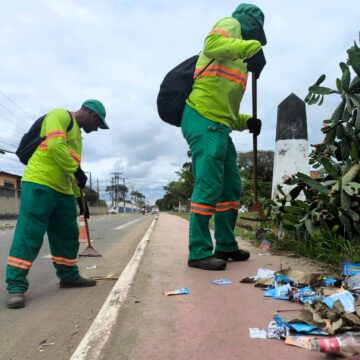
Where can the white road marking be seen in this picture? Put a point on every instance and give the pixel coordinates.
(48, 256)
(127, 224)
(99, 332)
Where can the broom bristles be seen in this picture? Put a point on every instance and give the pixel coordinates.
(90, 252)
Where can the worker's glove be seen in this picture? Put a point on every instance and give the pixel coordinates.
(80, 177)
(85, 212)
(256, 63)
(254, 126)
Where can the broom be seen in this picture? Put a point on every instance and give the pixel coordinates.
(89, 251)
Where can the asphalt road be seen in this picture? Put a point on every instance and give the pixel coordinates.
(54, 320)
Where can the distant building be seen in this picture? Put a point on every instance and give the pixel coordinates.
(10, 184)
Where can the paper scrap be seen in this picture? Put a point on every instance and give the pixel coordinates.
(299, 341)
(346, 299)
(350, 269)
(256, 333)
(182, 291)
(91, 267)
(221, 282)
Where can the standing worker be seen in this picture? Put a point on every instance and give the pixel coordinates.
(210, 114)
(50, 183)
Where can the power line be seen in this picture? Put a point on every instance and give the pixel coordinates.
(17, 125)
(12, 113)
(7, 142)
(18, 106)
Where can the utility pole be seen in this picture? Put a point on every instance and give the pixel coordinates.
(115, 186)
(123, 179)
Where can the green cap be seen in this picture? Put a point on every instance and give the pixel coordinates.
(251, 20)
(98, 108)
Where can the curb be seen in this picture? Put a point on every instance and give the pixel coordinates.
(99, 332)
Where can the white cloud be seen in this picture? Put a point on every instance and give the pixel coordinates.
(57, 54)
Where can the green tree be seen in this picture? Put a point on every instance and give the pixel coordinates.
(265, 163)
(332, 204)
(178, 192)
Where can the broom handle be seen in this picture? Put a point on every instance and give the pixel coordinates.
(254, 110)
(86, 223)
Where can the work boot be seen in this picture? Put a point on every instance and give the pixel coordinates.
(209, 263)
(237, 255)
(78, 282)
(16, 301)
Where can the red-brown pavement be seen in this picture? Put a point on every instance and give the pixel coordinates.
(212, 322)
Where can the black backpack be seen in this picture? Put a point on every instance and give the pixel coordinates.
(31, 140)
(175, 89)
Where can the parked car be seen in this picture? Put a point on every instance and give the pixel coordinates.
(113, 211)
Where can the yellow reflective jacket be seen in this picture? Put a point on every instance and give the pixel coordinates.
(218, 91)
(56, 159)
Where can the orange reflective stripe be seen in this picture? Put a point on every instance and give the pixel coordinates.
(228, 205)
(203, 206)
(20, 263)
(202, 209)
(55, 134)
(220, 31)
(217, 70)
(64, 261)
(75, 156)
(43, 145)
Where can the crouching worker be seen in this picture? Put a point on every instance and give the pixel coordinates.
(50, 185)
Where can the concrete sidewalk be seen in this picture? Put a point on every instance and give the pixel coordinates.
(211, 322)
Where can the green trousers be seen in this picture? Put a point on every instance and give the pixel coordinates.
(43, 210)
(217, 184)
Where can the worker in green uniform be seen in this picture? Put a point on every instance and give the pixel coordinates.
(51, 182)
(210, 114)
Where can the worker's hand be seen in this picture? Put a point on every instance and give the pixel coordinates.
(80, 177)
(254, 126)
(85, 212)
(256, 63)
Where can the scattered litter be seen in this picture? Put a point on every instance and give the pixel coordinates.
(327, 282)
(353, 282)
(299, 341)
(182, 291)
(261, 274)
(280, 292)
(91, 267)
(43, 344)
(256, 333)
(274, 331)
(299, 327)
(265, 254)
(350, 269)
(347, 345)
(221, 282)
(265, 245)
(346, 299)
(106, 277)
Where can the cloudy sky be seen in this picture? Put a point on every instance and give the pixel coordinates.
(58, 53)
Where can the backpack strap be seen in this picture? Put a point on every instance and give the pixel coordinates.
(212, 60)
(71, 124)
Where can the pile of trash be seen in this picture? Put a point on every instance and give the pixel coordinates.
(330, 319)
